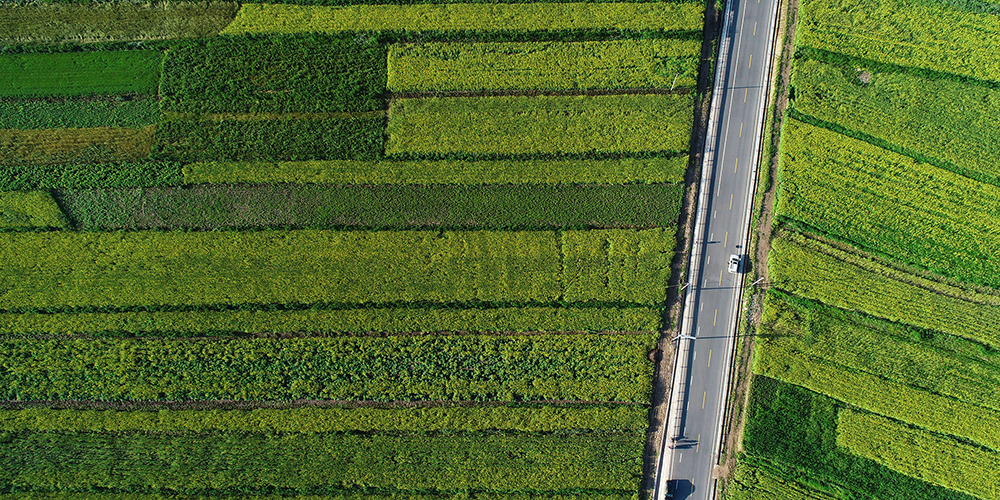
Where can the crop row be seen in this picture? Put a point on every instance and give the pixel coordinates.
(63, 23)
(879, 347)
(75, 145)
(584, 367)
(793, 432)
(311, 420)
(918, 453)
(330, 321)
(311, 73)
(21, 209)
(849, 281)
(310, 462)
(23, 114)
(376, 207)
(540, 125)
(754, 483)
(602, 171)
(279, 18)
(61, 269)
(927, 35)
(902, 402)
(897, 108)
(79, 73)
(888, 203)
(23, 177)
(651, 63)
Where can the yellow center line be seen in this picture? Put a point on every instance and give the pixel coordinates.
(755, 28)
(751, 61)
(709, 358)
(745, 94)
(736, 165)
(730, 203)
(726, 242)
(716, 318)
(741, 130)
(720, 277)
(698, 446)
(703, 396)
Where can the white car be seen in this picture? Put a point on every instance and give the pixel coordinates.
(735, 264)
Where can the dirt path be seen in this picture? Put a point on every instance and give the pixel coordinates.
(734, 429)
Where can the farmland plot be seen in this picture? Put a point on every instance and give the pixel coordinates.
(79, 73)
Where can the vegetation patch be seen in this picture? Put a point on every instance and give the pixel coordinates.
(29, 209)
(69, 146)
(79, 73)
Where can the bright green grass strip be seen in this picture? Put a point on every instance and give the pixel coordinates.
(617, 265)
(855, 282)
(271, 19)
(23, 209)
(584, 367)
(309, 420)
(79, 73)
(62, 23)
(956, 122)
(889, 203)
(882, 348)
(753, 483)
(310, 462)
(921, 454)
(544, 65)
(540, 124)
(160, 268)
(926, 35)
(902, 402)
(82, 114)
(611, 171)
(319, 321)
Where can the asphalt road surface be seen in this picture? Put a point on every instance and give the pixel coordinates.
(692, 445)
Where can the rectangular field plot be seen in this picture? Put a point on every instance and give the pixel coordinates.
(75, 145)
(62, 22)
(541, 125)
(26, 209)
(617, 265)
(923, 34)
(585, 367)
(886, 349)
(794, 431)
(753, 483)
(110, 112)
(921, 454)
(275, 19)
(544, 65)
(304, 463)
(313, 420)
(606, 171)
(375, 207)
(850, 281)
(90, 175)
(889, 203)
(45, 270)
(380, 320)
(942, 119)
(79, 73)
(284, 74)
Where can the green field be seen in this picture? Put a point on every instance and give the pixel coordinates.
(282, 19)
(609, 171)
(546, 65)
(334, 250)
(525, 125)
(79, 73)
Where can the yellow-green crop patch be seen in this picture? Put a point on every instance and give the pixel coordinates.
(655, 63)
(512, 125)
(275, 19)
(24, 209)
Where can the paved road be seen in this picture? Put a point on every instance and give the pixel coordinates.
(731, 153)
